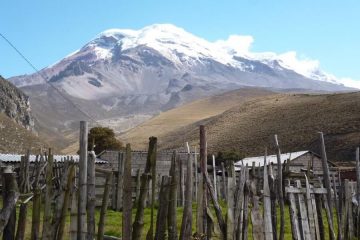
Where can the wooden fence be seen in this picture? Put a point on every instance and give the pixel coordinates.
(230, 205)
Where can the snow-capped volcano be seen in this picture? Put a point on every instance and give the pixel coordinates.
(122, 73)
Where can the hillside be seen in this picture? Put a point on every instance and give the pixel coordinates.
(180, 117)
(296, 118)
(124, 77)
(15, 104)
(16, 139)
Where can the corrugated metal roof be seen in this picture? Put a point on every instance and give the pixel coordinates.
(269, 159)
(6, 157)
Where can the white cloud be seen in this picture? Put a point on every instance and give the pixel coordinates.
(241, 46)
(236, 44)
(350, 82)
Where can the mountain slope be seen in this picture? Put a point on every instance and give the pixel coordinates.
(123, 77)
(296, 118)
(15, 104)
(180, 117)
(16, 139)
(16, 121)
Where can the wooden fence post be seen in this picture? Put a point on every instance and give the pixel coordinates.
(186, 225)
(150, 235)
(223, 174)
(214, 175)
(196, 173)
(46, 234)
(280, 188)
(268, 231)
(357, 192)
(120, 181)
(256, 217)
(327, 186)
(82, 226)
(239, 204)
(231, 185)
(203, 163)
(8, 212)
(160, 233)
(295, 229)
(66, 203)
(172, 230)
(127, 196)
(91, 198)
(138, 224)
(305, 229)
(104, 206)
(181, 182)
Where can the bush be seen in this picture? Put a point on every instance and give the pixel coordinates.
(104, 139)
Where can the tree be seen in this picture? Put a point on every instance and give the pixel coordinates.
(104, 139)
(229, 155)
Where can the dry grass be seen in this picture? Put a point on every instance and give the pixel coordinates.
(16, 139)
(180, 117)
(296, 118)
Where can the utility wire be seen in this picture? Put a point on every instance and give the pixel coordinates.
(46, 81)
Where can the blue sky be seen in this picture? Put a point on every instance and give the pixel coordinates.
(46, 31)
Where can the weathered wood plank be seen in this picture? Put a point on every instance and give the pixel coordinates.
(83, 157)
(280, 188)
(186, 224)
(326, 176)
(310, 210)
(104, 207)
(91, 198)
(268, 230)
(160, 233)
(256, 216)
(138, 224)
(295, 229)
(174, 174)
(203, 164)
(127, 196)
(231, 185)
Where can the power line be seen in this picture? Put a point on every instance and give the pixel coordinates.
(46, 81)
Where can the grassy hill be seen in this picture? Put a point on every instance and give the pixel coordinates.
(297, 118)
(178, 118)
(16, 139)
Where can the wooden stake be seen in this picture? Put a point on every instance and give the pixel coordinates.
(150, 235)
(127, 196)
(203, 163)
(138, 224)
(104, 206)
(82, 226)
(268, 231)
(223, 181)
(326, 175)
(66, 203)
(120, 182)
(280, 188)
(186, 224)
(172, 230)
(196, 173)
(8, 212)
(46, 234)
(91, 198)
(214, 175)
(160, 233)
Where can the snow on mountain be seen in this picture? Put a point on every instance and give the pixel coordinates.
(122, 74)
(185, 49)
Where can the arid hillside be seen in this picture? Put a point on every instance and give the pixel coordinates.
(16, 139)
(297, 118)
(178, 118)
